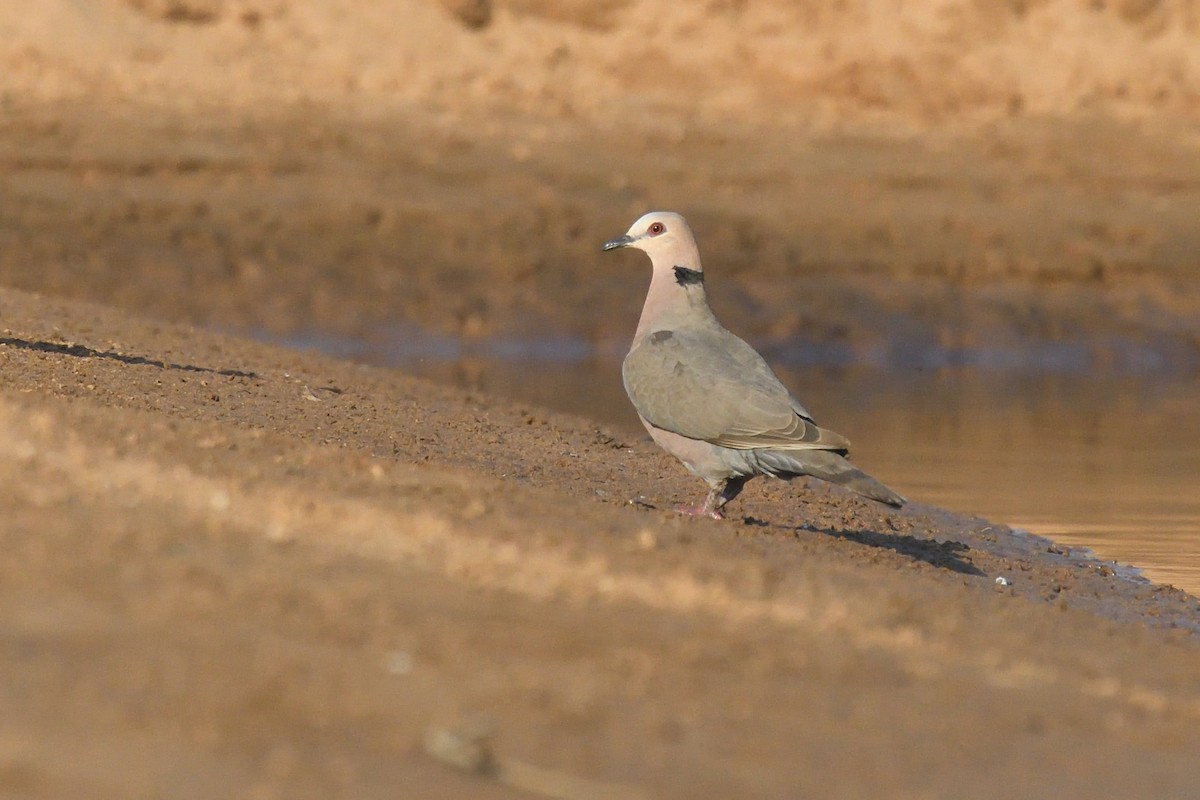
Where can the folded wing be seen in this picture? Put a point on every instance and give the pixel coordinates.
(712, 386)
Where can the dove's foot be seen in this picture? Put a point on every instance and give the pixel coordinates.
(700, 511)
(722, 492)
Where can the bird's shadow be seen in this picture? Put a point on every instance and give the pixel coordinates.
(83, 351)
(943, 555)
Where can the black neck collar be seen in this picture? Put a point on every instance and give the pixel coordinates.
(688, 277)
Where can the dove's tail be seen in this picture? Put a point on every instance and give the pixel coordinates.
(829, 466)
(858, 481)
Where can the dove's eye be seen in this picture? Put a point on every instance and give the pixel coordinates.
(657, 228)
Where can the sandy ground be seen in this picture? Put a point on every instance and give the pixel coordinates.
(239, 571)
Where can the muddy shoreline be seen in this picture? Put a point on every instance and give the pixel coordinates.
(319, 220)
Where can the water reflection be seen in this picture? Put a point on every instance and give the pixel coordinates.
(1110, 463)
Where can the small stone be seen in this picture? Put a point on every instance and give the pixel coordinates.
(278, 532)
(474, 14)
(399, 662)
(220, 500)
(466, 746)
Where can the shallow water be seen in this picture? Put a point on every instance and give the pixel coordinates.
(1108, 462)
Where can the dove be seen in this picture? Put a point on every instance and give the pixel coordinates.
(707, 397)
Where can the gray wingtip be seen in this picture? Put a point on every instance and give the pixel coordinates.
(893, 499)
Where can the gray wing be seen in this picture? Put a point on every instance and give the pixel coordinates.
(714, 387)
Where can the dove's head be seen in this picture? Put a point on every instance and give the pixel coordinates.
(665, 237)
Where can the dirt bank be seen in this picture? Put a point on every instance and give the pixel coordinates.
(348, 168)
(954, 62)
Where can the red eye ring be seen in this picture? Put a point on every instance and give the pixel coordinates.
(656, 228)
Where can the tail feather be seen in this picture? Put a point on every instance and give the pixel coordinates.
(829, 466)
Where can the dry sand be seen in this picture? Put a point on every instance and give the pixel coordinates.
(234, 570)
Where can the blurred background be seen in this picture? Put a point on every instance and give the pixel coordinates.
(965, 230)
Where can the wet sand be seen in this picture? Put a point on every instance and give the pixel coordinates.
(929, 251)
(1048, 452)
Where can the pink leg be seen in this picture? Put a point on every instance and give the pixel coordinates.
(712, 504)
(699, 511)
